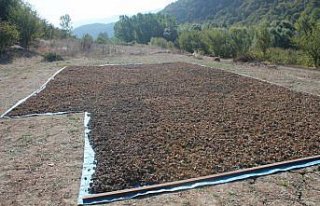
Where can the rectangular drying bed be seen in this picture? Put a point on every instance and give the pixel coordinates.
(153, 124)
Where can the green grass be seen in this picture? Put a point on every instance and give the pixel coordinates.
(284, 57)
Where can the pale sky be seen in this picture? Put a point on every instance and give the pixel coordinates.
(82, 10)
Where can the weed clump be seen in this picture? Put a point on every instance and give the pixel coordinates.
(52, 57)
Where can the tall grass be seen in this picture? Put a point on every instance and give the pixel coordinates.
(283, 57)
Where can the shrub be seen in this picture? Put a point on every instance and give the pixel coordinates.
(86, 42)
(9, 35)
(283, 56)
(244, 58)
(161, 42)
(241, 40)
(309, 42)
(263, 38)
(192, 41)
(103, 38)
(219, 42)
(52, 57)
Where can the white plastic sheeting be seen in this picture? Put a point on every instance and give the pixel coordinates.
(210, 182)
(88, 161)
(33, 94)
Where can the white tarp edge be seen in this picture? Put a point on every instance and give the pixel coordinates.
(34, 93)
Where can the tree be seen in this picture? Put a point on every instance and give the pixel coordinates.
(192, 41)
(27, 22)
(304, 24)
(142, 27)
(241, 40)
(103, 38)
(170, 34)
(308, 38)
(124, 30)
(9, 35)
(86, 42)
(6, 7)
(263, 38)
(66, 24)
(219, 42)
(311, 45)
(146, 26)
(282, 33)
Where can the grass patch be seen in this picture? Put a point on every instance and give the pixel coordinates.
(283, 57)
(52, 57)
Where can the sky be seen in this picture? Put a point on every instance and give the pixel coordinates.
(90, 11)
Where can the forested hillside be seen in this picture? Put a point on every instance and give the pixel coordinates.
(228, 12)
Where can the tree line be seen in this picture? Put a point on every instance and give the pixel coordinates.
(141, 28)
(19, 23)
(265, 41)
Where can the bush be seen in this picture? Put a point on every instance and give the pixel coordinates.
(241, 40)
(263, 38)
(86, 42)
(9, 35)
(283, 56)
(244, 58)
(161, 42)
(103, 38)
(309, 42)
(219, 42)
(52, 57)
(192, 41)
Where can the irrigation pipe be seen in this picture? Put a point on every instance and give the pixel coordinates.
(201, 181)
(32, 94)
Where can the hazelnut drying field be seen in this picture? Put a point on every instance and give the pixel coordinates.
(157, 123)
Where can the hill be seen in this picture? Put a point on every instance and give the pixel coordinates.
(227, 12)
(94, 30)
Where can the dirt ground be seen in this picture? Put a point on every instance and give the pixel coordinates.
(41, 160)
(34, 174)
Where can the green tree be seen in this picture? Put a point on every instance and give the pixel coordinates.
(86, 42)
(170, 34)
(241, 40)
(6, 7)
(49, 31)
(192, 41)
(124, 29)
(146, 26)
(263, 38)
(308, 38)
(219, 42)
(27, 22)
(304, 24)
(142, 27)
(9, 35)
(66, 24)
(282, 33)
(102, 38)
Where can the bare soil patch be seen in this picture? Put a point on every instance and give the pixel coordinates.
(41, 160)
(164, 122)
